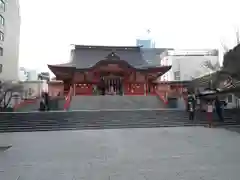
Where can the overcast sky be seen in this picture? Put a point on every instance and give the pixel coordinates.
(50, 26)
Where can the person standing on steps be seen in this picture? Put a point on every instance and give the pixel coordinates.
(46, 100)
(191, 111)
(219, 107)
(42, 106)
(210, 113)
(191, 106)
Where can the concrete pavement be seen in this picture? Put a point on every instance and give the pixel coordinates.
(157, 154)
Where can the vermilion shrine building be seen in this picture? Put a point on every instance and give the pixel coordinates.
(121, 69)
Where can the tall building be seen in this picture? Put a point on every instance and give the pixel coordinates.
(189, 64)
(146, 40)
(28, 74)
(9, 39)
(154, 56)
(145, 43)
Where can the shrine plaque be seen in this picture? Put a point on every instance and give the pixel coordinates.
(140, 77)
(79, 77)
(113, 66)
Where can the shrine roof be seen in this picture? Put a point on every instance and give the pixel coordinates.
(105, 47)
(83, 57)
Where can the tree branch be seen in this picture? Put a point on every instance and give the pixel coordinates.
(6, 103)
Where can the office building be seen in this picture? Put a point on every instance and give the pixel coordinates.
(9, 39)
(189, 64)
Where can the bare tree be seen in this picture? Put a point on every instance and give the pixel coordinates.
(231, 62)
(237, 36)
(7, 91)
(212, 66)
(44, 76)
(225, 48)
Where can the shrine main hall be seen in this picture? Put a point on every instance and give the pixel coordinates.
(115, 70)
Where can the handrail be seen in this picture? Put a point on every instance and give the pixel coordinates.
(162, 96)
(68, 99)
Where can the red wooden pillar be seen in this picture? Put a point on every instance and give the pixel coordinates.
(73, 84)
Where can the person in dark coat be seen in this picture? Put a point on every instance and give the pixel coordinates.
(191, 107)
(218, 107)
(46, 100)
(102, 87)
(42, 105)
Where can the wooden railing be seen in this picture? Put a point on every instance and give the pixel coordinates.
(68, 99)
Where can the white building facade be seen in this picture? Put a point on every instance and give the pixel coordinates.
(28, 74)
(9, 39)
(188, 64)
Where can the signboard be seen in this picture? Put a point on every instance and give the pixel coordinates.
(113, 66)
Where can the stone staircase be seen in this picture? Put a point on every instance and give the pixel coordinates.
(33, 106)
(115, 102)
(105, 119)
(55, 103)
(107, 112)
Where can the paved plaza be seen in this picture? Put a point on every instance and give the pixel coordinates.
(187, 153)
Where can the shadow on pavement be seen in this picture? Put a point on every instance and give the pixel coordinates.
(4, 148)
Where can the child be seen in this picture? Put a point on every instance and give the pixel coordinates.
(209, 113)
(191, 111)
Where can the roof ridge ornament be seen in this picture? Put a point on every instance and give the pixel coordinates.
(112, 56)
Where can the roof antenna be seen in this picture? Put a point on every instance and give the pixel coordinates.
(148, 31)
(237, 36)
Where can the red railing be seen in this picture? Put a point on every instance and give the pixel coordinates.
(162, 96)
(68, 99)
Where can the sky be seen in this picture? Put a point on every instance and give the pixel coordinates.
(49, 27)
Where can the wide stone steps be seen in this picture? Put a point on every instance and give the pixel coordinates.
(55, 103)
(104, 126)
(115, 102)
(78, 120)
(33, 106)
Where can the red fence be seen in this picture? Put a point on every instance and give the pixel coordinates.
(162, 96)
(68, 99)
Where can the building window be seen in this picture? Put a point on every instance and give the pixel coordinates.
(2, 5)
(177, 76)
(1, 68)
(1, 51)
(2, 20)
(230, 98)
(1, 36)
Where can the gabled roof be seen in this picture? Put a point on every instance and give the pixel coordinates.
(83, 57)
